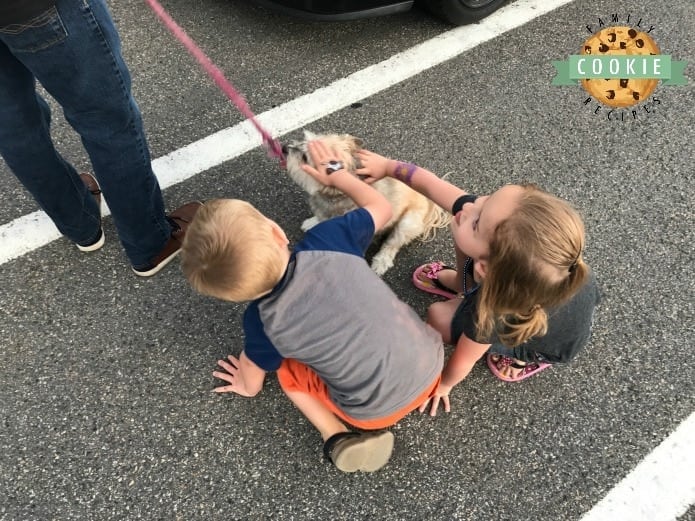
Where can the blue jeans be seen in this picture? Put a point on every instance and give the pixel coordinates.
(73, 50)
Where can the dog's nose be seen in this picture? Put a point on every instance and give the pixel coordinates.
(285, 149)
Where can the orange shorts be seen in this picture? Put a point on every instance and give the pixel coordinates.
(294, 376)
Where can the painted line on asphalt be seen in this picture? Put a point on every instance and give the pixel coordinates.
(34, 230)
(660, 488)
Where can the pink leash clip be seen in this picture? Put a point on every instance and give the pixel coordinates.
(272, 145)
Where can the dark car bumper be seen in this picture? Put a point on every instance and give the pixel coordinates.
(334, 10)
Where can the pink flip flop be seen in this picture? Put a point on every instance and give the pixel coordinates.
(432, 284)
(528, 370)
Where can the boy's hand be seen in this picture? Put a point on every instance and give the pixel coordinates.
(361, 193)
(440, 395)
(323, 157)
(374, 166)
(231, 376)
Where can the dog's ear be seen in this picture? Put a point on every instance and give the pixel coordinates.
(355, 143)
(309, 135)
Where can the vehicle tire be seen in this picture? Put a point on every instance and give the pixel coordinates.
(459, 12)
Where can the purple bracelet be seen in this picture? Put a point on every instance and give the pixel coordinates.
(404, 172)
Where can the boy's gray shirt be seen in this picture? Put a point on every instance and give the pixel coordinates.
(334, 314)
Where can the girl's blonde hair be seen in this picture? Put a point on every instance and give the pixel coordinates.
(535, 263)
(229, 251)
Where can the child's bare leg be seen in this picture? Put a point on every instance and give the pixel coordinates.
(349, 451)
(440, 315)
(318, 414)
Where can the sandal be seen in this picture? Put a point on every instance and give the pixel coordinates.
(432, 284)
(528, 369)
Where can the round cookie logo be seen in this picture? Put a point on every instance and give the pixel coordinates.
(620, 67)
(619, 41)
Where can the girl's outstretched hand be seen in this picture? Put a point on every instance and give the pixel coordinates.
(374, 166)
(440, 395)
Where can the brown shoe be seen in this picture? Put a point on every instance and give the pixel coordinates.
(179, 219)
(93, 186)
(359, 451)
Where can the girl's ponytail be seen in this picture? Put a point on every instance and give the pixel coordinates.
(578, 275)
(535, 263)
(517, 328)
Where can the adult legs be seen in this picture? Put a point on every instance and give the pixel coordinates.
(74, 51)
(26, 146)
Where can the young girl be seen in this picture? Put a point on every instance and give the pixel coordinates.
(520, 293)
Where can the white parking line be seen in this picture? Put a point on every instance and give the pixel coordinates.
(34, 230)
(660, 488)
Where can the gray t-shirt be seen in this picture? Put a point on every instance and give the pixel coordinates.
(334, 314)
(569, 327)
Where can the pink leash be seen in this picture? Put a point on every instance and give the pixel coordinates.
(272, 145)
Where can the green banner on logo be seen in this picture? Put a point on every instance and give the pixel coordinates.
(587, 67)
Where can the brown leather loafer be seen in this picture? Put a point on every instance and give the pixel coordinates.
(179, 219)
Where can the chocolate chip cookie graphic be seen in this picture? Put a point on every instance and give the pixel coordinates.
(617, 92)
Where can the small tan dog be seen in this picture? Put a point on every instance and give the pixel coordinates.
(414, 216)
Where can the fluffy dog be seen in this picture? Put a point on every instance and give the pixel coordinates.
(414, 216)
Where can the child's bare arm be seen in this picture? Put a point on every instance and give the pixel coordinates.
(361, 193)
(462, 360)
(436, 189)
(245, 377)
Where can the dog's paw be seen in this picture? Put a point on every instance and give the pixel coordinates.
(381, 264)
(309, 223)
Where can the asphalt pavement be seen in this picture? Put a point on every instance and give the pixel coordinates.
(105, 381)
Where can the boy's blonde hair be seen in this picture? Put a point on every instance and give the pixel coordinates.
(230, 251)
(535, 263)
